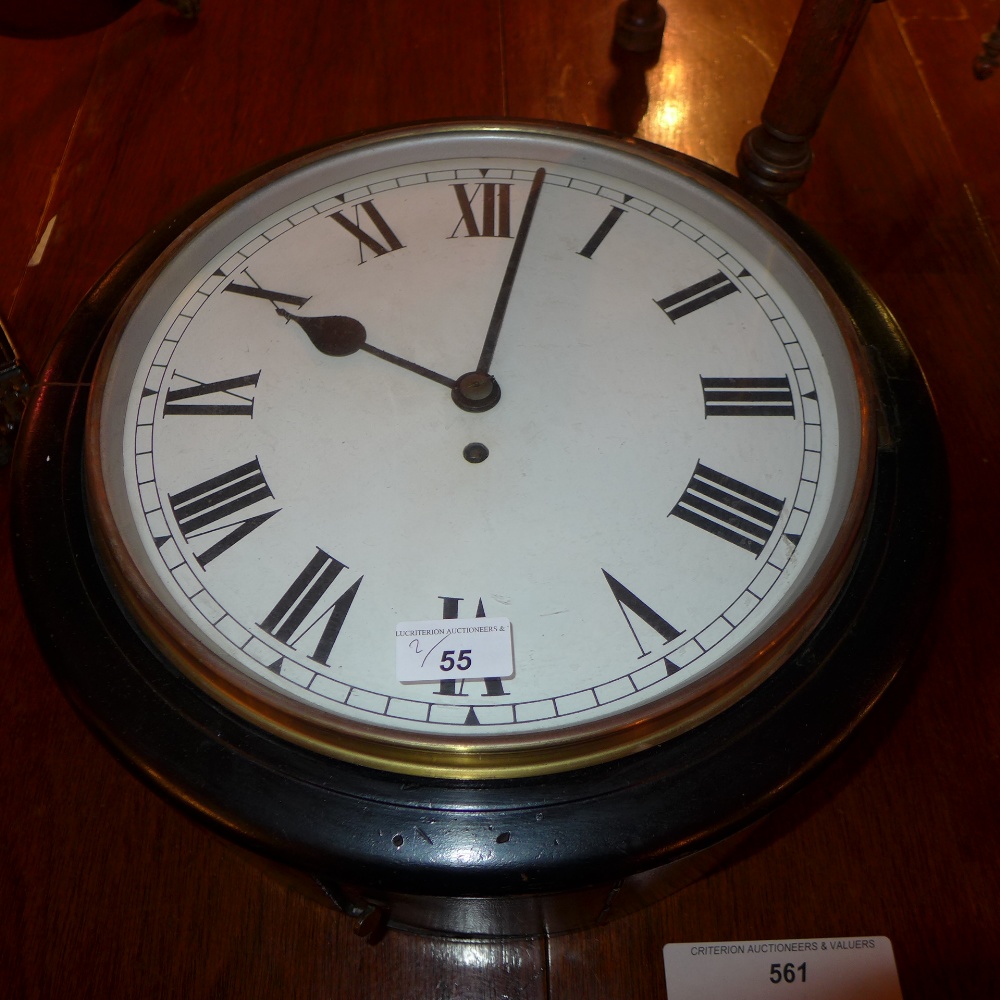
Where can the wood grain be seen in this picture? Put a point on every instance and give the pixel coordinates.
(107, 892)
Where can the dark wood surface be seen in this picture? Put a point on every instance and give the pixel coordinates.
(107, 892)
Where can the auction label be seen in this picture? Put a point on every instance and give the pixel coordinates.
(454, 649)
(811, 969)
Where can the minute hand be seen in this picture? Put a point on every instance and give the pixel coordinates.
(499, 310)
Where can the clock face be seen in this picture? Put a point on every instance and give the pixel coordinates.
(564, 388)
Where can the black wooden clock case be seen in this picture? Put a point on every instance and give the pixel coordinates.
(478, 857)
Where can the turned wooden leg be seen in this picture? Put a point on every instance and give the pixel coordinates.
(639, 25)
(775, 156)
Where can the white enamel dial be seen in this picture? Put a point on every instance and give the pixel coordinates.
(660, 496)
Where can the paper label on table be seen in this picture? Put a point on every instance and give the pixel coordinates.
(841, 968)
(454, 649)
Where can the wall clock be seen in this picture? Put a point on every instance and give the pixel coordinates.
(485, 519)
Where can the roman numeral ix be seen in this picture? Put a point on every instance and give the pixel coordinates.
(176, 402)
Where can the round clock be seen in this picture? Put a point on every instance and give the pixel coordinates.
(476, 513)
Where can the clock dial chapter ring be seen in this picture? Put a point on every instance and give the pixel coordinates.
(569, 723)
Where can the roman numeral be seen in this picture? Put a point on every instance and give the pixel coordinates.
(208, 506)
(256, 292)
(286, 619)
(747, 397)
(175, 404)
(452, 688)
(601, 232)
(364, 238)
(628, 602)
(494, 207)
(729, 509)
(696, 296)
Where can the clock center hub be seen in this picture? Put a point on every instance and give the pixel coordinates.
(476, 391)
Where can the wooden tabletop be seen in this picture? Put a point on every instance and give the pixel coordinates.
(105, 891)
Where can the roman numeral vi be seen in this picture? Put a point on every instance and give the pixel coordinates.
(452, 688)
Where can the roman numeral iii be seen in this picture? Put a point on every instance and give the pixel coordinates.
(747, 397)
(729, 509)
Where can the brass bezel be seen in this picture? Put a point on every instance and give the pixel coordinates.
(576, 746)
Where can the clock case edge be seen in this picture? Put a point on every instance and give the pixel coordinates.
(392, 835)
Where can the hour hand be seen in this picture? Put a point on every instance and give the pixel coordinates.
(335, 336)
(339, 336)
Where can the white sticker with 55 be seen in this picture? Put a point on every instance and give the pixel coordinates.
(454, 649)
